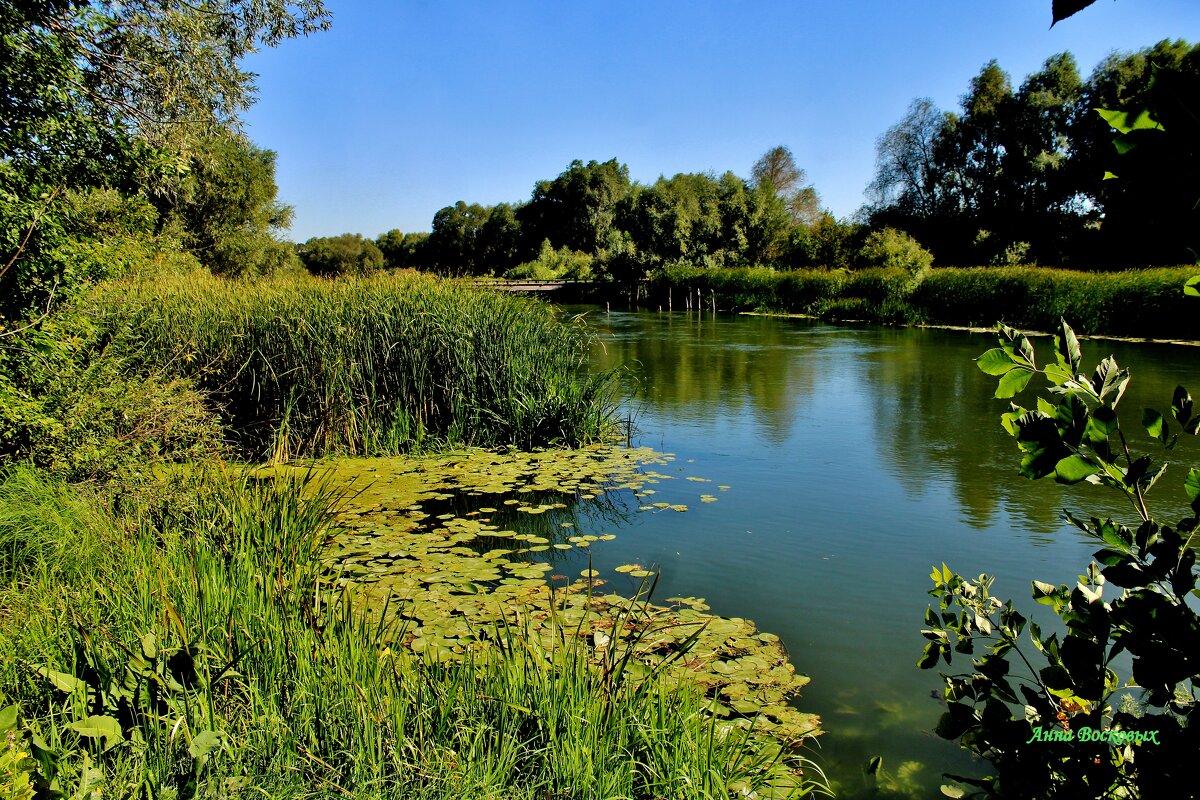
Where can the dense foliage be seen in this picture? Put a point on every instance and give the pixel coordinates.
(1018, 175)
(1083, 731)
(137, 100)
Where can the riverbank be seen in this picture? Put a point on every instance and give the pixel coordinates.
(170, 625)
(1141, 304)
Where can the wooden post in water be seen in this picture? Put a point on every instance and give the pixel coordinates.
(668, 298)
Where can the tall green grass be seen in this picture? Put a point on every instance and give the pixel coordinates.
(304, 366)
(211, 660)
(1145, 303)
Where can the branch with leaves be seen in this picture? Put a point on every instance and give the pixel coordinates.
(1057, 730)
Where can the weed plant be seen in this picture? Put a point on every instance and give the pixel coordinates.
(211, 659)
(378, 365)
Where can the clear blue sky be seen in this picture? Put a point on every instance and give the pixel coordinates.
(404, 106)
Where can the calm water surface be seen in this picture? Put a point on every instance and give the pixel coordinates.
(856, 458)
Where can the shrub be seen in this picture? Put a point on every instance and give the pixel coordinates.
(348, 254)
(894, 249)
(1061, 722)
(551, 264)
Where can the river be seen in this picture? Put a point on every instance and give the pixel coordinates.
(855, 459)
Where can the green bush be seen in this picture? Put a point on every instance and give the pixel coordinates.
(551, 264)
(77, 408)
(893, 249)
(1061, 721)
(348, 254)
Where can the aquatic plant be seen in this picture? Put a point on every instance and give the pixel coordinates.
(302, 366)
(222, 657)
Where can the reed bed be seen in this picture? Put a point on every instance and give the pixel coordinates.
(1146, 303)
(209, 659)
(302, 366)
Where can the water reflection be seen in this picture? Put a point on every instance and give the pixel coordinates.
(857, 458)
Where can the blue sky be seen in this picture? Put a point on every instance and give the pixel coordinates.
(404, 107)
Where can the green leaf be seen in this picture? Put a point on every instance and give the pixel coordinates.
(929, 657)
(1073, 469)
(1013, 382)
(8, 718)
(1192, 287)
(1154, 424)
(995, 362)
(1069, 352)
(1191, 485)
(952, 791)
(62, 681)
(1181, 402)
(1129, 121)
(100, 727)
(204, 743)
(1056, 678)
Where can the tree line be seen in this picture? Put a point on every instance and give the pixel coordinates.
(593, 221)
(1030, 174)
(1034, 174)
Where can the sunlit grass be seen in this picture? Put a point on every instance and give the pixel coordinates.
(211, 658)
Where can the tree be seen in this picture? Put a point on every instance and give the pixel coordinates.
(137, 69)
(402, 249)
(777, 169)
(907, 173)
(575, 210)
(226, 206)
(453, 244)
(1150, 214)
(98, 94)
(348, 254)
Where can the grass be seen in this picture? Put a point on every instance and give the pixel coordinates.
(301, 366)
(1146, 303)
(208, 657)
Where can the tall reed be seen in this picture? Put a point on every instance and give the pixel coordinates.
(305, 366)
(1147, 303)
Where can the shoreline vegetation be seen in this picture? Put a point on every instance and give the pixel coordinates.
(1137, 304)
(174, 626)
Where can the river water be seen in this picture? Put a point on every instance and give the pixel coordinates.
(855, 459)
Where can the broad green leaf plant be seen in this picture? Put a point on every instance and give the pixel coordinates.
(1050, 712)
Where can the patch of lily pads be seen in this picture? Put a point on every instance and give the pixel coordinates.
(455, 547)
